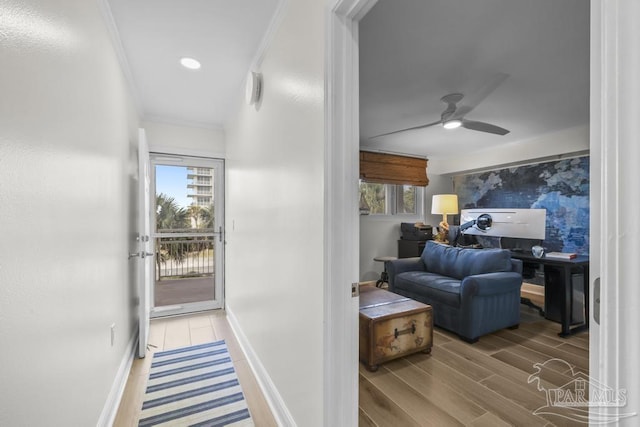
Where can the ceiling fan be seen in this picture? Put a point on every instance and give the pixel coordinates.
(453, 117)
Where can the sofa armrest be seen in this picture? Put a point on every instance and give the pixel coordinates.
(490, 284)
(401, 265)
(516, 265)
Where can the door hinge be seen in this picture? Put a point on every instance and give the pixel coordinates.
(355, 290)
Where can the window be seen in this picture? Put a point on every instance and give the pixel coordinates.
(405, 199)
(391, 199)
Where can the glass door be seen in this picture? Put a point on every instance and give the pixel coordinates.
(188, 209)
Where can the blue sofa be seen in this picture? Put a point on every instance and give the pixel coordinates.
(473, 292)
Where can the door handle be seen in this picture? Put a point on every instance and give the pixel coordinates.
(596, 300)
(146, 254)
(134, 255)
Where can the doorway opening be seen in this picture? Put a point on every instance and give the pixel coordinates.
(187, 217)
(381, 234)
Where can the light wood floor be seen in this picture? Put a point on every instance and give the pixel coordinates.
(175, 332)
(481, 384)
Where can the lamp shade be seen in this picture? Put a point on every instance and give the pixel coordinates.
(444, 204)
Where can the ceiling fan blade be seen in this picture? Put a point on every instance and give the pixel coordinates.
(404, 130)
(473, 100)
(484, 127)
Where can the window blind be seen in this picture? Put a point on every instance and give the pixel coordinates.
(393, 169)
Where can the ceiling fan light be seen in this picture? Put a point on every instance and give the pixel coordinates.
(452, 124)
(190, 63)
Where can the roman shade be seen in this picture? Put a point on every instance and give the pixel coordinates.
(393, 169)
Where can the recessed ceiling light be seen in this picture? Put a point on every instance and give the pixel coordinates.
(452, 124)
(190, 63)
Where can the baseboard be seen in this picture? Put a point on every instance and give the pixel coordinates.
(108, 415)
(274, 400)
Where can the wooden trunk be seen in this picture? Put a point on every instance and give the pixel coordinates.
(392, 326)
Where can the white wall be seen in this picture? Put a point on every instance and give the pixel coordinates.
(379, 235)
(183, 139)
(67, 181)
(274, 215)
(572, 140)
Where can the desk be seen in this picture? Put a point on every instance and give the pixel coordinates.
(566, 290)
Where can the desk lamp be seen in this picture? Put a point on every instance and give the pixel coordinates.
(444, 204)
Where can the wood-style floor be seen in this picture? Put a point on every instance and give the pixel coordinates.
(175, 332)
(481, 384)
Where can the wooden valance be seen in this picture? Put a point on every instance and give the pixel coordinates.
(393, 169)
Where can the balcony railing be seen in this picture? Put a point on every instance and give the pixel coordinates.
(184, 255)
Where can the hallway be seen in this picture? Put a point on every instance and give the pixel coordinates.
(183, 331)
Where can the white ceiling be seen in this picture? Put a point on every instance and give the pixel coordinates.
(412, 52)
(224, 35)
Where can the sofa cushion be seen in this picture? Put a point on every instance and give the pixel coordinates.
(462, 262)
(434, 287)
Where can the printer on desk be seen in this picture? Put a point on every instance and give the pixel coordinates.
(417, 231)
(413, 238)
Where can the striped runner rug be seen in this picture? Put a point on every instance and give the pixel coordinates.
(194, 386)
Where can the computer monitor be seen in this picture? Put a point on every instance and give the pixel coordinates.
(514, 223)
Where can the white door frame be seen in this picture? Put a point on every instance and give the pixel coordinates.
(145, 243)
(342, 226)
(218, 165)
(615, 38)
(615, 199)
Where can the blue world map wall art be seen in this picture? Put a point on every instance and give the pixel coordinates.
(561, 187)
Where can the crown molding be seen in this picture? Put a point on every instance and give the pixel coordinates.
(261, 51)
(274, 24)
(116, 43)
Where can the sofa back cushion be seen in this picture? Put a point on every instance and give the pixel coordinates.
(462, 262)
